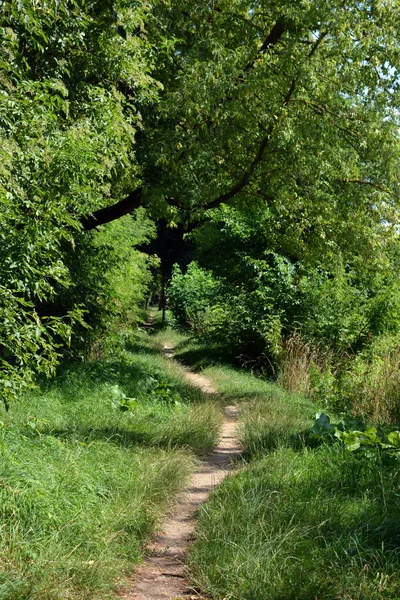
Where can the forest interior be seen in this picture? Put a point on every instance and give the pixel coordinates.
(236, 163)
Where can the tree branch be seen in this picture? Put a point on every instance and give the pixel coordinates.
(134, 200)
(244, 180)
(374, 185)
(320, 109)
(271, 40)
(115, 211)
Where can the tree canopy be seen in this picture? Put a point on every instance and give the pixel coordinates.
(182, 108)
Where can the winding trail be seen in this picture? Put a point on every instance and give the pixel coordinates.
(163, 575)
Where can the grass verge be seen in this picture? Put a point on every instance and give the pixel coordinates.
(87, 467)
(296, 524)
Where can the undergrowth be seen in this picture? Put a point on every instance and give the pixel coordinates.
(364, 384)
(88, 465)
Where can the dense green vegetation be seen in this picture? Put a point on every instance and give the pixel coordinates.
(282, 117)
(268, 131)
(88, 464)
(65, 141)
(325, 326)
(297, 522)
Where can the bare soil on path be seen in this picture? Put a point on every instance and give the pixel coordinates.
(163, 575)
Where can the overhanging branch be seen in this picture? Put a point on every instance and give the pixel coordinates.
(134, 199)
(244, 180)
(271, 40)
(115, 211)
(381, 188)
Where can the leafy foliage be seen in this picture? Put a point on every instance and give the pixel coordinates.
(281, 105)
(66, 137)
(290, 111)
(263, 289)
(193, 297)
(354, 435)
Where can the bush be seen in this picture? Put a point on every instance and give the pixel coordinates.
(193, 299)
(245, 321)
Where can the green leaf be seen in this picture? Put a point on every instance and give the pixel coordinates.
(394, 438)
(352, 440)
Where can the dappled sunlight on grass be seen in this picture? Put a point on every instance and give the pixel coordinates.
(87, 467)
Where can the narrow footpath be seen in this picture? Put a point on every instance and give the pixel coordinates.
(163, 575)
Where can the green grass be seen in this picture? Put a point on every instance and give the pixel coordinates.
(268, 415)
(296, 524)
(193, 353)
(301, 526)
(83, 481)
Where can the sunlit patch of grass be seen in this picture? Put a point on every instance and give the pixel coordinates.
(74, 515)
(167, 336)
(299, 526)
(296, 523)
(87, 467)
(268, 415)
(267, 424)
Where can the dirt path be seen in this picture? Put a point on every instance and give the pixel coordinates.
(163, 573)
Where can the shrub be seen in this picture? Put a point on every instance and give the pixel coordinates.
(193, 297)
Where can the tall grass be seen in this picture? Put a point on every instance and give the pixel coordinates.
(370, 383)
(298, 357)
(87, 467)
(296, 523)
(365, 384)
(301, 526)
(74, 515)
